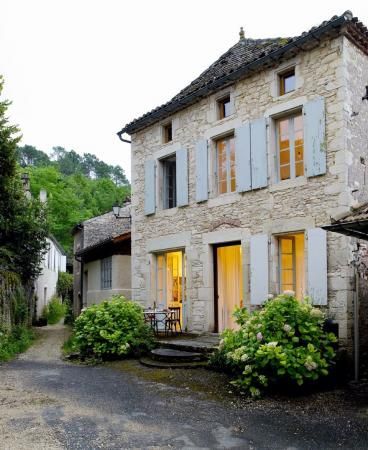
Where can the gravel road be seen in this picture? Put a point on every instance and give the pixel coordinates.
(47, 403)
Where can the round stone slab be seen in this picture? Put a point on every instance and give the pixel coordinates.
(168, 354)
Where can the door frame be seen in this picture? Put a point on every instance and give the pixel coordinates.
(215, 277)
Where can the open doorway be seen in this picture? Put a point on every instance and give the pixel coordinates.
(228, 284)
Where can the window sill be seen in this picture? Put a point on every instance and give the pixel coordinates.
(223, 199)
(288, 184)
(166, 212)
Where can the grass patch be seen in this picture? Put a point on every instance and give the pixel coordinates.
(14, 342)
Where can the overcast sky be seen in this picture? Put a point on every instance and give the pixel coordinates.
(78, 70)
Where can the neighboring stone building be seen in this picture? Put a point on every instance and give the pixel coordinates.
(234, 177)
(54, 261)
(102, 266)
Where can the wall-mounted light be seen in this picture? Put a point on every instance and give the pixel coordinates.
(117, 210)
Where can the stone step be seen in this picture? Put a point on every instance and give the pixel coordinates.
(189, 345)
(172, 365)
(174, 356)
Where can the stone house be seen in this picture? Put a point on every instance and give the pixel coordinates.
(54, 261)
(235, 176)
(101, 265)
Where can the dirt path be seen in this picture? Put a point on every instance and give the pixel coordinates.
(46, 403)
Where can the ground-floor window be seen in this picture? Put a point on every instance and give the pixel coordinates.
(170, 280)
(291, 264)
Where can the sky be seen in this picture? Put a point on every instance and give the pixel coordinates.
(76, 71)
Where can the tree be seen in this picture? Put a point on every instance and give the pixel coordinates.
(30, 156)
(23, 224)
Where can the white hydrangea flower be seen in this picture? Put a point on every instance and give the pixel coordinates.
(287, 328)
(247, 369)
(289, 293)
(272, 344)
(270, 296)
(244, 357)
(259, 336)
(315, 312)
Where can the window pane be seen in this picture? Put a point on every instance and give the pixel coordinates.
(284, 127)
(285, 157)
(289, 83)
(287, 261)
(298, 123)
(232, 165)
(299, 169)
(287, 277)
(285, 172)
(286, 245)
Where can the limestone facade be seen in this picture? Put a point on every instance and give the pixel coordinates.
(335, 70)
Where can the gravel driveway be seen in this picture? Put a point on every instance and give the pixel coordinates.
(46, 403)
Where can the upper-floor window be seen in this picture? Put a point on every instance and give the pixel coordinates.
(287, 81)
(223, 107)
(167, 133)
(225, 164)
(169, 182)
(290, 144)
(106, 273)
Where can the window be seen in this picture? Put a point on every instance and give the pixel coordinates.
(167, 133)
(291, 264)
(223, 107)
(169, 182)
(225, 165)
(170, 280)
(290, 143)
(287, 81)
(106, 269)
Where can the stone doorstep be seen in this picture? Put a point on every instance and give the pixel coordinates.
(172, 355)
(148, 362)
(191, 343)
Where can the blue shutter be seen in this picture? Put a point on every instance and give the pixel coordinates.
(317, 266)
(182, 177)
(314, 137)
(258, 141)
(242, 158)
(149, 187)
(201, 171)
(258, 269)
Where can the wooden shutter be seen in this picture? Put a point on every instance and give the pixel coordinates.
(149, 187)
(201, 171)
(314, 137)
(258, 139)
(258, 269)
(317, 266)
(182, 177)
(242, 158)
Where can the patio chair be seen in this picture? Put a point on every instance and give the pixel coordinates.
(173, 320)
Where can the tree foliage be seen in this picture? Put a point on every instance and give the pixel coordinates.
(71, 163)
(73, 198)
(23, 224)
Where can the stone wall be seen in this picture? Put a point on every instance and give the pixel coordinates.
(288, 206)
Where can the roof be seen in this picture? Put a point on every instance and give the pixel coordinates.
(104, 227)
(247, 57)
(106, 247)
(354, 223)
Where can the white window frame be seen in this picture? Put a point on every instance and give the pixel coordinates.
(164, 278)
(106, 273)
(163, 185)
(228, 164)
(290, 118)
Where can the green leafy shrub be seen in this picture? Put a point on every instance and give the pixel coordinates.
(54, 311)
(112, 328)
(64, 285)
(15, 341)
(69, 314)
(284, 342)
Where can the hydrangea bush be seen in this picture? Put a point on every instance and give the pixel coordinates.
(113, 328)
(282, 342)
